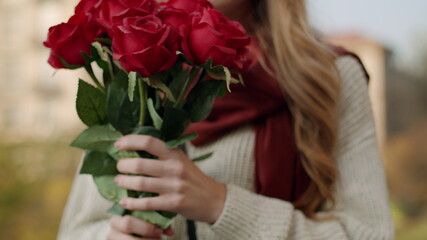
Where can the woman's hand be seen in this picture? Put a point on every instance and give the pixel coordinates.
(122, 228)
(181, 186)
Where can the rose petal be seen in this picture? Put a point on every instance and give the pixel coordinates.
(220, 55)
(202, 38)
(150, 61)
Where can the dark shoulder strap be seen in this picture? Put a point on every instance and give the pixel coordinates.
(191, 225)
(191, 230)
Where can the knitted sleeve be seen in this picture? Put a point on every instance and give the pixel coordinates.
(361, 208)
(85, 216)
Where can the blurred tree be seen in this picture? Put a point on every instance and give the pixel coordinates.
(35, 178)
(407, 167)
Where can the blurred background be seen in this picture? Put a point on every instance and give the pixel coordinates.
(38, 119)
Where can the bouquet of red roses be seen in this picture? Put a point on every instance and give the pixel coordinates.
(162, 66)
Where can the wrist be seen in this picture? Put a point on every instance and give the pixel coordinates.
(218, 203)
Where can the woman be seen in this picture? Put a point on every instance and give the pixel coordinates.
(295, 152)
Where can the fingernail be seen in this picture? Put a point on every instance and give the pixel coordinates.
(123, 202)
(169, 232)
(119, 143)
(158, 231)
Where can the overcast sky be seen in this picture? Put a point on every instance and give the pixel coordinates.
(395, 23)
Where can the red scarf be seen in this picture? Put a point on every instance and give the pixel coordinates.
(260, 102)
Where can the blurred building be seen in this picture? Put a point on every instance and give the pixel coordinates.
(35, 100)
(375, 57)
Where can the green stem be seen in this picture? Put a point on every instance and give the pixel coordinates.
(142, 99)
(89, 70)
(203, 75)
(110, 68)
(179, 101)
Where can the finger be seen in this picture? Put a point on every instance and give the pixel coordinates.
(146, 143)
(131, 225)
(168, 231)
(144, 166)
(122, 236)
(143, 184)
(164, 202)
(117, 235)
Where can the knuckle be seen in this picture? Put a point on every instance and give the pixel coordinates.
(139, 165)
(140, 183)
(180, 187)
(180, 171)
(114, 220)
(147, 204)
(127, 223)
(176, 152)
(149, 141)
(150, 229)
(179, 202)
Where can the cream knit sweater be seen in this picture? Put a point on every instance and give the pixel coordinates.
(361, 193)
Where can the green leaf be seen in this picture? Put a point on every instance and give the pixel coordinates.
(147, 130)
(179, 78)
(201, 98)
(175, 122)
(103, 65)
(176, 142)
(97, 138)
(167, 214)
(104, 40)
(208, 64)
(203, 157)
(132, 84)
(108, 188)
(239, 76)
(121, 112)
(124, 154)
(66, 65)
(89, 58)
(157, 83)
(98, 164)
(116, 209)
(222, 73)
(90, 104)
(184, 58)
(153, 217)
(222, 91)
(102, 54)
(157, 120)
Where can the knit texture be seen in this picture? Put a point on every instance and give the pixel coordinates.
(361, 209)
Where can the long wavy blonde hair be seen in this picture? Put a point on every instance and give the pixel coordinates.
(308, 76)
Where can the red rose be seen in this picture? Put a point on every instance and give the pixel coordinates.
(216, 37)
(190, 6)
(145, 45)
(86, 6)
(177, 18)
(113, 11)
(68, 40)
